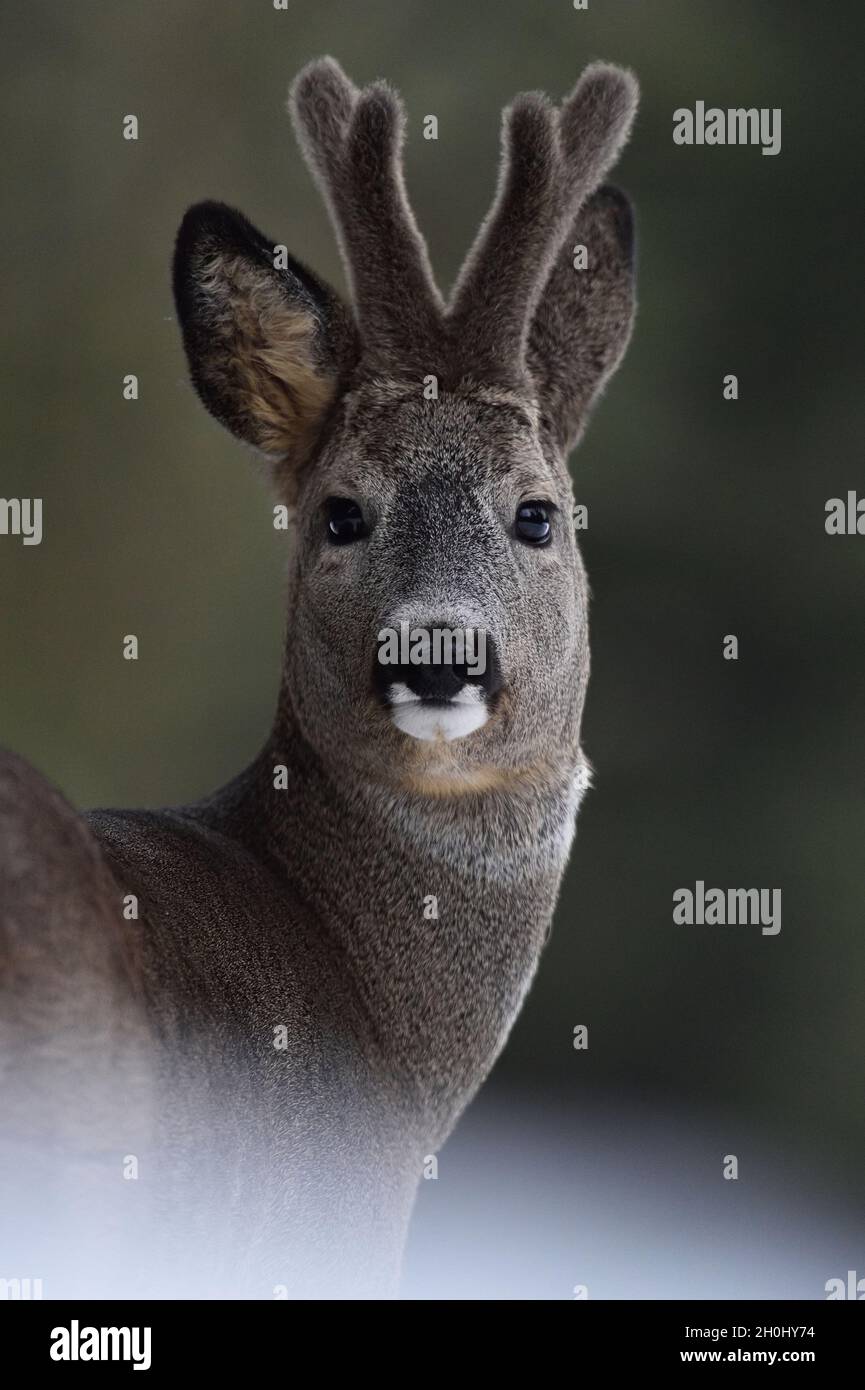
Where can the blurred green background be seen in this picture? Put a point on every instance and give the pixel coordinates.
(706, 517)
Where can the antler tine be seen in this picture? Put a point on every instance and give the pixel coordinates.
(500, 281)
(551, 163)
(399, 305)
(594, 125)
(321, 101)
(352, 141)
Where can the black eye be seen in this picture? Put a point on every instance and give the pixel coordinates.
(344, 521)
(533, 523)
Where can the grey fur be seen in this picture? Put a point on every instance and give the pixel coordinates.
(304, 907)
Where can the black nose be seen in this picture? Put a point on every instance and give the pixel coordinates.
(438, 669)
(434, 682)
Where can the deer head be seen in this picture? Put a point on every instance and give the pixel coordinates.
(421, 444)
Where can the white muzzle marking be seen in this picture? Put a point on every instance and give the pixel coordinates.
(422, 719)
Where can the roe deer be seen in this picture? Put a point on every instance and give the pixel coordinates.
(330, 951)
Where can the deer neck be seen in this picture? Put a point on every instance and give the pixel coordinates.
(441, 906)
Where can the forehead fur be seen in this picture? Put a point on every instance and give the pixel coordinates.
(389, 427)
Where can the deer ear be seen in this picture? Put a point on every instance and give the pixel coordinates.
(267, 343)
(583, 322)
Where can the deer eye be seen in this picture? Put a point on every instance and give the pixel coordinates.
(344, 521)
(532, 523)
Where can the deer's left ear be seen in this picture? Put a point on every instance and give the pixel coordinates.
(268, 344)
(584, 319)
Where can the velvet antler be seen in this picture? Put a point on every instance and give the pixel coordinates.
(352, 141)
(552, 161)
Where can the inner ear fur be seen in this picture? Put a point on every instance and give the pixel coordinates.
(583, 322)
(267, 348)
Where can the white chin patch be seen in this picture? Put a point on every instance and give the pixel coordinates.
(462, 715)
